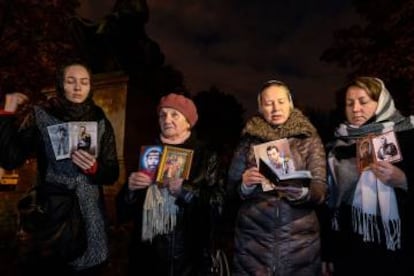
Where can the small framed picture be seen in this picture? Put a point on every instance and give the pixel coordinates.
(276, 154)
(365, 154)
(84, 136)
(386, 148)
(374, 148)
(175, 163)
(149, 160)
(60, 139)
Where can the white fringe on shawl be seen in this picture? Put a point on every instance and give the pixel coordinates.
(160, 213)
(371, 196)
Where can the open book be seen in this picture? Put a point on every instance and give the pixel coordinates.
(270, 173)
(275, 162)
(374, 148)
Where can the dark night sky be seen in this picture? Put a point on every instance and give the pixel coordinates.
(236, 45)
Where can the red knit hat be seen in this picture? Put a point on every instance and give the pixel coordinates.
(184, 105)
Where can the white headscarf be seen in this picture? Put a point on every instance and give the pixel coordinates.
(372, 198)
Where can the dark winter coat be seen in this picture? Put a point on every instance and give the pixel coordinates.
(274, 236)
(29, 138)
(184, 250)
(346, 247)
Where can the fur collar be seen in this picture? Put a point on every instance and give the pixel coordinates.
(296, 125)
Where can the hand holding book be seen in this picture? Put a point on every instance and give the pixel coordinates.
(299, 178)
(275, 163)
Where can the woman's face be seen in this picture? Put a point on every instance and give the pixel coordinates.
(360, 107)
(172, 122)
(275, 105)
(76, 83)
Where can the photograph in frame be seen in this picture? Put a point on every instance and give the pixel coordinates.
(386, 148)
(276, 154)
(84, 136)
(175, 163)
(149, 160)
(365, 153)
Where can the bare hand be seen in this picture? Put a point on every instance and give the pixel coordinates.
(83, 159)
(14, 100)
(138, 181)
(252, 176)
(389, 174)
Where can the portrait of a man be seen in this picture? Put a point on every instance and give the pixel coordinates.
(387, 150)
(150, 160)
(278, 161)
(84, 139)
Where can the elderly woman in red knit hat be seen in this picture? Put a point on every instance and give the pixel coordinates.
(171, 230)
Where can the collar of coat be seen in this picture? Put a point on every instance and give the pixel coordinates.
(297, 125)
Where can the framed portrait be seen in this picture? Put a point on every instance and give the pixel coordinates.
(374, 148)
(276, 154)
(386, 148)
(365, 153)
(175, 163)
(149, 160)
(84, 136)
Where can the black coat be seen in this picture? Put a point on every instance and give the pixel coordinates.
(28, 138)
(182, 251)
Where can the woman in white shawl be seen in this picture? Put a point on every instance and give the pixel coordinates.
(373, 209)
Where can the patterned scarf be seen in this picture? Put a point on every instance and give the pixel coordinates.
(371, 197)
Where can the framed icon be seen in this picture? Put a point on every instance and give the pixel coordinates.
(175, 163)
(365, 156)
(149, 160)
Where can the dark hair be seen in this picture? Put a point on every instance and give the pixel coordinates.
(272, 147)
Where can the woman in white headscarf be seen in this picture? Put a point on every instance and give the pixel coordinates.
(373, 212)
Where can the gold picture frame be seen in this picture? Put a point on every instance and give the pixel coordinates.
(175, 163)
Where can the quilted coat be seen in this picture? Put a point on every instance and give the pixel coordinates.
(274, 236)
